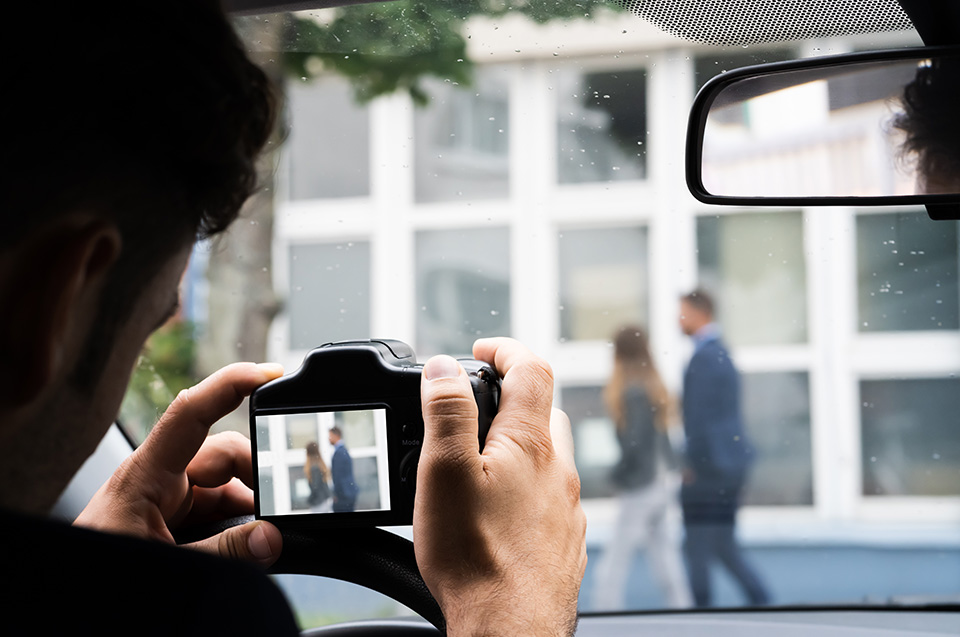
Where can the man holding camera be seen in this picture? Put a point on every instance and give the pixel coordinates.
(133, 130)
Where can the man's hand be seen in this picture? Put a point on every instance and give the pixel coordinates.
(499, 536)
(179, 475)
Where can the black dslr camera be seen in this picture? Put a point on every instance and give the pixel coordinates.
(337, 442)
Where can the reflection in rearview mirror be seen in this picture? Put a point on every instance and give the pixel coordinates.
(844, 127)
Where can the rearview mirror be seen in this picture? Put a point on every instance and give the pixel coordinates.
(871, 128)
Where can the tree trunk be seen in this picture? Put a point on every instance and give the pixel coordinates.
(241, 301)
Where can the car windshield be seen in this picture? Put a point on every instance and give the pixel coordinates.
(523, 176)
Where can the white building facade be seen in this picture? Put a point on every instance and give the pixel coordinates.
(547, 202)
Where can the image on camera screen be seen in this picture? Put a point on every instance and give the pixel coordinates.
(323, 462)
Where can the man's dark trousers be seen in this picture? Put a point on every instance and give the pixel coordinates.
(718, 457)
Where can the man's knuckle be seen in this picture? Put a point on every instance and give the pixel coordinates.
(450, 405)
(444, 463)
(573, 487)
(536, 369)
(536, 449)
(561, 416)
(230, 439)
(542, 446)
(229, 546)
(581, 522)
(182, 401)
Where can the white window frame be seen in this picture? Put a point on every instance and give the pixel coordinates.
(538, 208)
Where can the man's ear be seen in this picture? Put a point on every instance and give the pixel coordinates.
(51, 297)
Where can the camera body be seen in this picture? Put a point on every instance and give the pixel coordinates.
(358, 402)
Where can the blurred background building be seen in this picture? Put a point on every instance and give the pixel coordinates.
(546, 201)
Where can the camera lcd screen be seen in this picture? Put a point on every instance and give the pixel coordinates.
(323, 462)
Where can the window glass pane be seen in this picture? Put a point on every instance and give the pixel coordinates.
(267, 501)
(358, 428)
(329, 293)
(753, 263)
(705, 67)
(324, 118)
(866, 86)
(601, 126)
(463, 289)
(603, 281)
(299, 489)
(365, 475)
(906, 273)
(263, 435)
(596, 449)
(776, 413)
(462, 140)
(301, 429)
(910, 437)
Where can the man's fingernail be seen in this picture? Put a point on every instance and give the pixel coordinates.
(441, 367)
(258, 545)
(271, 368)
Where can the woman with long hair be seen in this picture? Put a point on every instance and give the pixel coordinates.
(318, 477)
(647, 477)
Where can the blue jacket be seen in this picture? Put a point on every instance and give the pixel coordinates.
(344, 485)
(717, 447)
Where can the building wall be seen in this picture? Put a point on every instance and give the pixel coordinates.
(547, 202)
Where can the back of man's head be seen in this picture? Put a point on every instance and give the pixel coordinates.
(930, 126)
(156, 101)
(700, 300)
(147, 114)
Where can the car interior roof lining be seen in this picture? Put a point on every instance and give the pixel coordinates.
(713, 22)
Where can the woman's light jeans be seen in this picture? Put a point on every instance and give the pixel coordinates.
(649, 518)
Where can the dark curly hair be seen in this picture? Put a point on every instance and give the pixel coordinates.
(929, 121)
(148, 114)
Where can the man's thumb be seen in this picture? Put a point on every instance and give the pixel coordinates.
(449, 410)
(259, 542)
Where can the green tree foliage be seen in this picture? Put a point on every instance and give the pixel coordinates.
(391, 46)
(164, 369)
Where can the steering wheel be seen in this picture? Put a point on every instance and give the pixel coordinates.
(371, 557)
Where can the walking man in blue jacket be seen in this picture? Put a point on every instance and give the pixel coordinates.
(341, 469)
(718, 456)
